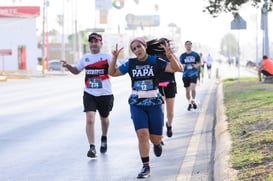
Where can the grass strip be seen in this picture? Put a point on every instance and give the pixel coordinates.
(249, 108)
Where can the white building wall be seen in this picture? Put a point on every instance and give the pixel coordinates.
(15, 32)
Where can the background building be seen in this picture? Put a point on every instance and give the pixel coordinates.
(18, 34)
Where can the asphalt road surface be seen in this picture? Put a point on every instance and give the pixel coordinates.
(42, 134)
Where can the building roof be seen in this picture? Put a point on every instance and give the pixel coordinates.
(19, 11)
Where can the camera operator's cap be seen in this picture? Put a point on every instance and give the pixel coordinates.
(96, 36)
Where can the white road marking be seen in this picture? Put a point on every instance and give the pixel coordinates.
(186, 169)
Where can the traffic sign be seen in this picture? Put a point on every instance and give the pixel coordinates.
(238, 23)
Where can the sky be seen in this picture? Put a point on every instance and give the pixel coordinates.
(188, 15)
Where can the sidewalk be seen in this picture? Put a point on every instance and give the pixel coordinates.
(24, 74)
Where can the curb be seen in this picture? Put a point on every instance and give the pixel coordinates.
(3, 78)
(222, 165)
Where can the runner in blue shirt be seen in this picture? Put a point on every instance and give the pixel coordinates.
(191, 63)
(145, 100)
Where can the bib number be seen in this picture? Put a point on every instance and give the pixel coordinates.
(143, 85)
(94, 83)
(189, 66)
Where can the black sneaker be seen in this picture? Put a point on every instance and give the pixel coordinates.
(194, 105)
(189, 107)
(158, 150)
(145, 172)
(169, 130)
(92, 152)
(103, 147)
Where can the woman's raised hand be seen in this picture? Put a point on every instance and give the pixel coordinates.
(116, 52)
(167, 48)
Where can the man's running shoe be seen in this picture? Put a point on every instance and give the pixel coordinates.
(189, 107)
(158, 150)
(92, 152)
(145, 172)
(103, 147)
(169, 130)
(194, 105)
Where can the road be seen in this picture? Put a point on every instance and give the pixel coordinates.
(42, 134)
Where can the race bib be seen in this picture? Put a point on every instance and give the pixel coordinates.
(143, 85)
(189, 66)
(94, 83)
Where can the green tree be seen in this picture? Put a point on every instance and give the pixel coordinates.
(229, 46)
(82, 36)
(216, 7)
(53, 32)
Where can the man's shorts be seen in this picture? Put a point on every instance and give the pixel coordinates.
(188, 80)
(103, 104)
(169, 91)
(266, 73)
(150, 117)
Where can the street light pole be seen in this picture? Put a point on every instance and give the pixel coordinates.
(63, 45)
(43, 35)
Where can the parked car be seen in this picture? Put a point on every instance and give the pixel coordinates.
(55, 65)
(250, 64)
(253, 64)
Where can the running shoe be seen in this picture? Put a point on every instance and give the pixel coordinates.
(103, 147)
(158, 150)
(169, 130)
(189, 107)
(92, 152)
(194, 105)
(145, 172)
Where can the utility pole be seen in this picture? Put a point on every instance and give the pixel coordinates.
(43, 33)
(265, 28)
(44, 44)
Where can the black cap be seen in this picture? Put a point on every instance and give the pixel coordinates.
(96, 36)
(265, 57)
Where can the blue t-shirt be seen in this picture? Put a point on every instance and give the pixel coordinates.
(188, 60)
(144, 77)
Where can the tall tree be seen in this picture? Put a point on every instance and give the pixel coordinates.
(229, 46)
(216, 7)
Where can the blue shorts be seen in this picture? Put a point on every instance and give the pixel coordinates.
(151, 117)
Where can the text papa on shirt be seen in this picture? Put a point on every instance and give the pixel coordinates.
(143, 71)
